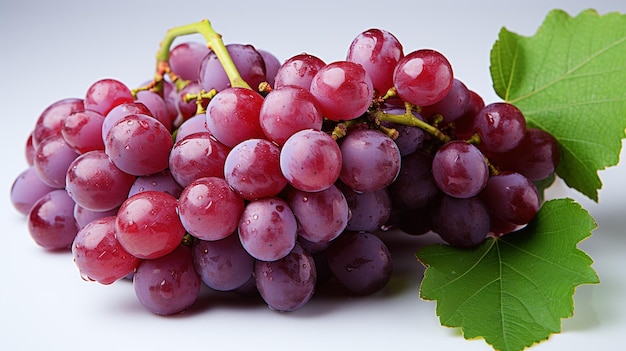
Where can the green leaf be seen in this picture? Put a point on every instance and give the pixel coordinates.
(513, 291)
(569, 79)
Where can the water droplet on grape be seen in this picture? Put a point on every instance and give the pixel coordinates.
(255, 217)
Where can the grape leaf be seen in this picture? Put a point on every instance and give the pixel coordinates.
(568, 79)
(513, 291)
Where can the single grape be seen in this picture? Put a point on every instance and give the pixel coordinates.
(185, 59)
(82, 131)
(321, 215)
(272, 64)
(50, 122)
(167, 285)
(94, 182)
(195, 156)
(536, 157)
(247, 60)
(268, 229)
(224, 264)
(460, 169)
(147, 224)
(52, 160)
(423, 77)
(289, 283)
(51, 221)
(209, 209)
(501, 127)
(415, 186)
(371, 160)
(512, 197)
(343, 90)
(99, 256)
(192, 125)
(310, 160)
(105, 94)
(287, 110)
(298, 70)
(139, 145)
(252, 169)
(162, 181)
(27, 189)
(453, 105)
(369, 211)
(378, 51)
(360, 261)
(233, 116)
(460, 222)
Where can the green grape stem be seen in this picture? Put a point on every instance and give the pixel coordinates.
(409, 119)
(214, 42)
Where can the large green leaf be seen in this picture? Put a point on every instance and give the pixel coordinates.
(570, 80)
(513, 291)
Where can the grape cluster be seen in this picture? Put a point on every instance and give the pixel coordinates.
(276, 190)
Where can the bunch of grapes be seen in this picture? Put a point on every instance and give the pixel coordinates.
(275, 190)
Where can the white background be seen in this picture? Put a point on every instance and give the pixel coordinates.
(56, 49)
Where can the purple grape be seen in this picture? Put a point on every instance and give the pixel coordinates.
(82, 131)
(195, 156)
(51, 221)
(369, 211)
(103, 95)
(360, 261)
(27, 189)
(169, 284)
(209, 209)
(415, 186)
(310, 160)
(99, 256)
(460, 169)
(95, 183)
(162, 181)
(371, 160)
(268, 229)
(185, 59)
(343, 90)
(223, 264)
(453, 105)
(299, 71)
(289, 283)
(139, 145)
(52, 160)
(252, 169)
(195, 124)
(321, 215)
(378, 51)
(423, 77)
(247, 60)
(460, 222)
(501, 127)
(512, 197)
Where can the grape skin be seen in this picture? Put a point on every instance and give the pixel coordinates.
(460, 169)
(370, 160)
(169, 284)
(310, 160)
(268, 229)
